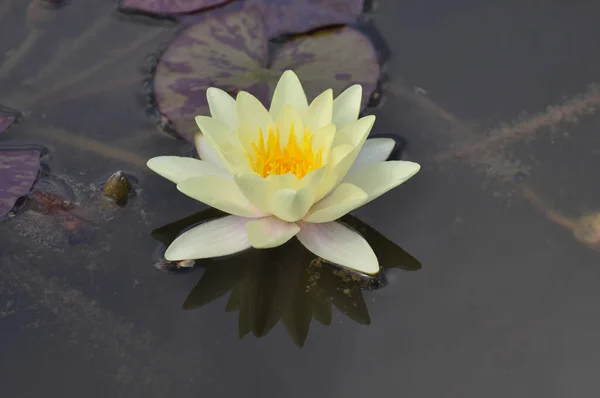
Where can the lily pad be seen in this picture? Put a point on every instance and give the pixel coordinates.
(5, 121)
(300, 16)
(288, 17)
(167, 7)
(231, 51)
(18, 167)
(18, 171)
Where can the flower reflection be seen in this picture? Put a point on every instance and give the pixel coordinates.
(287, 283)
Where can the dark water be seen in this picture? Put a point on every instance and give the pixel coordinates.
(506, 303)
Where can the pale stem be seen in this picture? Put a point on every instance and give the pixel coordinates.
(80, 142)
(20, 53)
(101, 87)
(80, 42)
(5, 7)
(116, 56)
(545, 209)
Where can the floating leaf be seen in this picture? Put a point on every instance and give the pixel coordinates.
(18, 171)
(6, 119)
(300, 16)
(231, 51)
(165, 7)
(287, 17)
(18, 167)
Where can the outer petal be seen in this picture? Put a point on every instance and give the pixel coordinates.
(289, 91)
(339, 244)
(213, 238)
(291, 205)
(177, 168)
(346, 106)
(252, 114)
(378, 178)
(375, 150)
(345, 198)
(207, 152)
(221, 193)
(268, 232)
(222, 107)
(320, 111)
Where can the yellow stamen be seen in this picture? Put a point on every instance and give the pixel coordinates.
(271, 158)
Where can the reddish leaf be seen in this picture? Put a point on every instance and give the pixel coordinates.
(229, 51)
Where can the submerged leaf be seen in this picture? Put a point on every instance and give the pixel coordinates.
(231, 51)
(162, 7)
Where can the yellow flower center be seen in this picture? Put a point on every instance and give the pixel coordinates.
(270, 157)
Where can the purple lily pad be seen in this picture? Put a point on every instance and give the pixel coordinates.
(300, 16)
(230, 51)
(286, 17)
(170, 6)
(18, 171)
(5, 121)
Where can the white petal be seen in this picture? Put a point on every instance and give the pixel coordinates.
(252, 114)
(222, 107)
(339, 244)
(258, 190)
(346, 106)
(177, 168)
(340, 159)
(268, 232)
(289, 91)
(320, 111)
(219, 192)
(355, 133)
(346, 146)
(375, 150)
(345, 198)
(289, 118)
(322, 139)
(378, 178)
(224, 141)
(207, 152)
(290, 204)
(213, 238)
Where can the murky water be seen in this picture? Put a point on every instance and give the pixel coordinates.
(491, 97)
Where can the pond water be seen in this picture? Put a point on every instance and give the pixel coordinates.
(497, 103)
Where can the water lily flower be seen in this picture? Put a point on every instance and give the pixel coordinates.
(290, 171)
